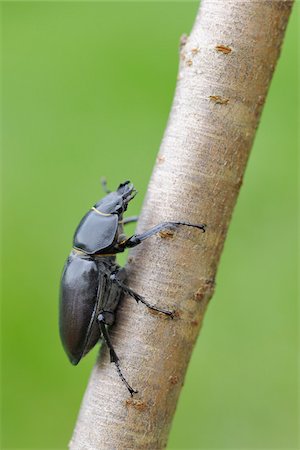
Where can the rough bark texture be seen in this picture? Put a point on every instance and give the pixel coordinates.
(225, 70)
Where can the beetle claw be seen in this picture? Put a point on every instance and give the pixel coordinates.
(173, 314)
(132, 391)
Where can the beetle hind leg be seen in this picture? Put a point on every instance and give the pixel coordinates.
(139, 298)
(113, 356)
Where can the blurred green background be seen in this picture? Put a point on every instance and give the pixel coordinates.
(87, 89)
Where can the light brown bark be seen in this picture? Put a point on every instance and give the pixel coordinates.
(225, 70)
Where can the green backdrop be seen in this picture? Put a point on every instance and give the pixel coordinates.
(87, 88)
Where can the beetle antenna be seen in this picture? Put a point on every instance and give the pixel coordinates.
(104, 185)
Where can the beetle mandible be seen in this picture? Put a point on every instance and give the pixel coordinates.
(93, 283)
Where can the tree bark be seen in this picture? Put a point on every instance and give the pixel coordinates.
(226, 66)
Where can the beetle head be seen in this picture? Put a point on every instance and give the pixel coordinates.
(116, 202)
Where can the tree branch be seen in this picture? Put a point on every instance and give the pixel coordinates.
(225, 70)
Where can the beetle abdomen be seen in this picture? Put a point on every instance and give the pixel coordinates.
(78, 302)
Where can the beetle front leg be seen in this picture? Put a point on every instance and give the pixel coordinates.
(113, 356)
(138, 297)
(131, 219)
(136, 239)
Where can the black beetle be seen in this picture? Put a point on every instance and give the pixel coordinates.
(92, 281)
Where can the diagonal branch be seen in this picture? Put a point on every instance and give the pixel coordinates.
(226, 66)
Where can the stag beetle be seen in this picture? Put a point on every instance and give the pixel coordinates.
(92, 282)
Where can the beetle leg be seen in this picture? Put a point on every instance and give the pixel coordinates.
(104, 185)
(138, 238)
(130, 219)
(113, 356)
(139, 298)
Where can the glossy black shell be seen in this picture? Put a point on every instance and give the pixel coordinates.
(86, 291)
(96, 232)
(78, 307)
